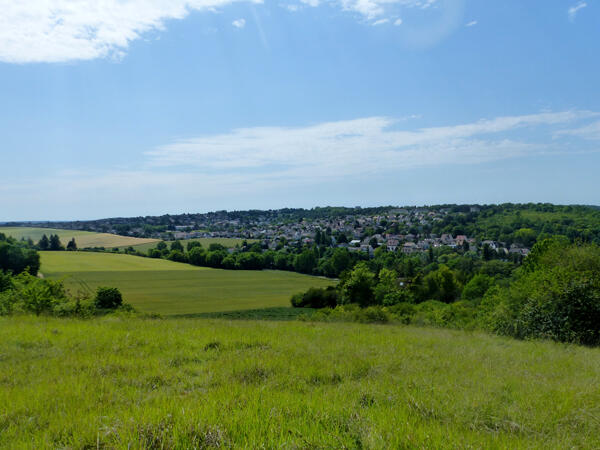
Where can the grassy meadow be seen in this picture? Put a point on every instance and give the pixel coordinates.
(170, 288)
(82, 238)
(195, 383)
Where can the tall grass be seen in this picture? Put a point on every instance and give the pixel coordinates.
(133, 383)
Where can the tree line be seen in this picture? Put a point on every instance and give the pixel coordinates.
(53, 243)
(554, 294)
(22, 291)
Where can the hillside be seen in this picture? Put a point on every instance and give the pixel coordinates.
(170, 288)
(82, 238)
(131, 383)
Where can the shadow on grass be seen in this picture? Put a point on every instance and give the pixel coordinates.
(280, 313)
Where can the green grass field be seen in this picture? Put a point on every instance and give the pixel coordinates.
(169, 288)
(190, 383)
(225, 242)
(82, 238)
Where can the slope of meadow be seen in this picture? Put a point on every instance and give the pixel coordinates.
(82, 238)
(170, 288)
(185, 383)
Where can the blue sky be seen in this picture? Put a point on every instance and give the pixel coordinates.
(131, 107)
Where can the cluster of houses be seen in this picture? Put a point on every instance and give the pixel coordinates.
(363, 233)
(410, 244)
(406, 230)
(359, 232)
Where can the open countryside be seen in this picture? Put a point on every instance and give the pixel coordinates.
(170, 288)
(299, 225)
(83, 239)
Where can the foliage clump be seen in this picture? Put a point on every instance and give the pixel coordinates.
(554, 295)
(108, 298)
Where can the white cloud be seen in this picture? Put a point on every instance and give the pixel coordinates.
(70, 30)
(472, 23)
(370, 9)
(351, 147)
(67, 30)
(573, 10)
(239, 23)
(398, 22)
(590, 131)
(208, 172)
(380, 22)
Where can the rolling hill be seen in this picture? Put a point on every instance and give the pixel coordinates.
(170, 288)
(82, 238)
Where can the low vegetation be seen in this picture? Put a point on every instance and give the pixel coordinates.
(132, 383)
(199, 379)
(170, 288)
(554, 295)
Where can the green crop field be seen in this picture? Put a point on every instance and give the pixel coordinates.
(196, 383)
(170, 288)
(225, 242)
(82, 238)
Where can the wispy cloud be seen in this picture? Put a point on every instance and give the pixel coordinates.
(235, 167)
(398, 22)
(472, 23)
(371, 9)
(590, 131)
(381, 22)
(351, 147)
(573, 10)
(239, 23)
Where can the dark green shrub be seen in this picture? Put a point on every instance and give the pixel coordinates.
(108, 298)
(154, 253)
(567, 312)
(359, 286)
(316, 298)
(17, 259)
(556, 296)
(197, 256)
(177, 256)
(5, 281)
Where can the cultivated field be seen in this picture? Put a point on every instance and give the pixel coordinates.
(169, 288)
(166, 384)
(82, 238)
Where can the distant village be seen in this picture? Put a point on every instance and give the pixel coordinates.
(405, 230)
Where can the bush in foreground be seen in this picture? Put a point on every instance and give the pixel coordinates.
(556, 296)
(108, 298)
(26, 294)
